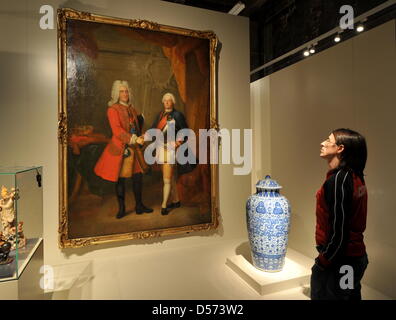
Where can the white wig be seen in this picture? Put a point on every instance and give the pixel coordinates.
(115, 91)
(169, 95)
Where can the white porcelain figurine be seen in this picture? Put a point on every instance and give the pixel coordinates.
(12, 233)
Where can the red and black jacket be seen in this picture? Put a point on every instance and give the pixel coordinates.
(341, 212)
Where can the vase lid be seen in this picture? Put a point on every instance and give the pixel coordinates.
(268, 184)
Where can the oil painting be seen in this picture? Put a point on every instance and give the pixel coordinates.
(120, 81)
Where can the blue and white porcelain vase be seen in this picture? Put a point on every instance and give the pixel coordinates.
(268, 223)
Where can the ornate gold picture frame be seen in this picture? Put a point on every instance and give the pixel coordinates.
(117, 78)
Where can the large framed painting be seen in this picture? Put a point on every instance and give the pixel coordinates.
(134, 96)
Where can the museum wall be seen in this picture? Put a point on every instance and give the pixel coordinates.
(28, 127)
(349, 85)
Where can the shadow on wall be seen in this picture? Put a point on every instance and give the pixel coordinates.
(244, 250)
(69, 281)
(69, 252)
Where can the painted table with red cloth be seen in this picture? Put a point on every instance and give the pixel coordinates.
(84, 151)
(76, 142)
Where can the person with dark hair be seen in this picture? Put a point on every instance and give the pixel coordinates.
(341, 214)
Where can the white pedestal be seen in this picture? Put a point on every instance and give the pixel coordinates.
(296, 273)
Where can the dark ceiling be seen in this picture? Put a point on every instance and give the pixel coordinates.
(279, 26)
(223, 5)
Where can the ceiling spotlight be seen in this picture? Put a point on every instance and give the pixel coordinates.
(337, 38)
(306, 53)
(312, 50)
(360, 28)
(237, 8)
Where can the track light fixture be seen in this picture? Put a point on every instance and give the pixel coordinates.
(310, 50)
(360, 27)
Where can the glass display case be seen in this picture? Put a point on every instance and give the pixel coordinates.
(21, 218)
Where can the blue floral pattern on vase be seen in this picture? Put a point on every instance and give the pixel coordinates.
(260, 208)
(268, 223)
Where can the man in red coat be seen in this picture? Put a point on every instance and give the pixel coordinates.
(120, 159)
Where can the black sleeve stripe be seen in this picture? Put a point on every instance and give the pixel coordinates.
(339, 217)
